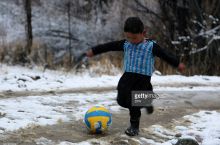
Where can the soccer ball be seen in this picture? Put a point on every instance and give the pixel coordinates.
(98, 119)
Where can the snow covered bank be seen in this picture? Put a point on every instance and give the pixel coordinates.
(204, 128)
(24, 79)
(22, 112)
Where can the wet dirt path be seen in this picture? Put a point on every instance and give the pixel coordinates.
(169, 107)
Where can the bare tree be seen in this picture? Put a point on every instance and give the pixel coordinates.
(68, 5)
(28, 26)
(191, 28)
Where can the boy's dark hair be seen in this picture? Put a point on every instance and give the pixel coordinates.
(133, 25)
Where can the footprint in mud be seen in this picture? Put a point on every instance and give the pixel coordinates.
(189, 103)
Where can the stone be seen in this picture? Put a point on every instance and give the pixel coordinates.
(186, 141)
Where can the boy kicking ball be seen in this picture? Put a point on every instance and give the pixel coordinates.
(139, 57)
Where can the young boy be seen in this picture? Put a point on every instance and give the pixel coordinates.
(139, 56)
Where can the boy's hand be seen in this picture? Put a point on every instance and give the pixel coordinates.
(89, 53)
(181, 67)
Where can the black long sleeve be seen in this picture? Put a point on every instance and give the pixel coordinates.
(118, 46)
(111, 46)
(165, 55)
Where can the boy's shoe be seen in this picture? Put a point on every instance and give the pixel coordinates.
(131, 131)
(149, 109)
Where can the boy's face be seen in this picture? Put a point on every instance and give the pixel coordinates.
(135, 38)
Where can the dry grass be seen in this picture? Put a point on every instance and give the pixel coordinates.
(110, 63)
(13, 53)
(164, 67)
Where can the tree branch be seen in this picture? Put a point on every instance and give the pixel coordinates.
(61, 34)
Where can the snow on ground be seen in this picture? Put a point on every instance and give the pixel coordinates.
(23, 79)
(21, 112)
(204, 128)
(205, 125)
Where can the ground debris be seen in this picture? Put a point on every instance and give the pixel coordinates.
(2, 114)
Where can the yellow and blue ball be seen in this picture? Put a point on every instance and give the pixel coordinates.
(98, 119)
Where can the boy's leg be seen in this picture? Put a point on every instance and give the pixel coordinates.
(144, 84)
(122, 98)
(149, 109)
(124, 90)
(135, 114)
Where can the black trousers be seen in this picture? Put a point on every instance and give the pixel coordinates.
(132, 82)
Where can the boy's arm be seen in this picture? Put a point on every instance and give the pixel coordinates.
(111, 46)
(168, 57)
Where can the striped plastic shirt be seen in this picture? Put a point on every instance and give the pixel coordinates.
(138, 58)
